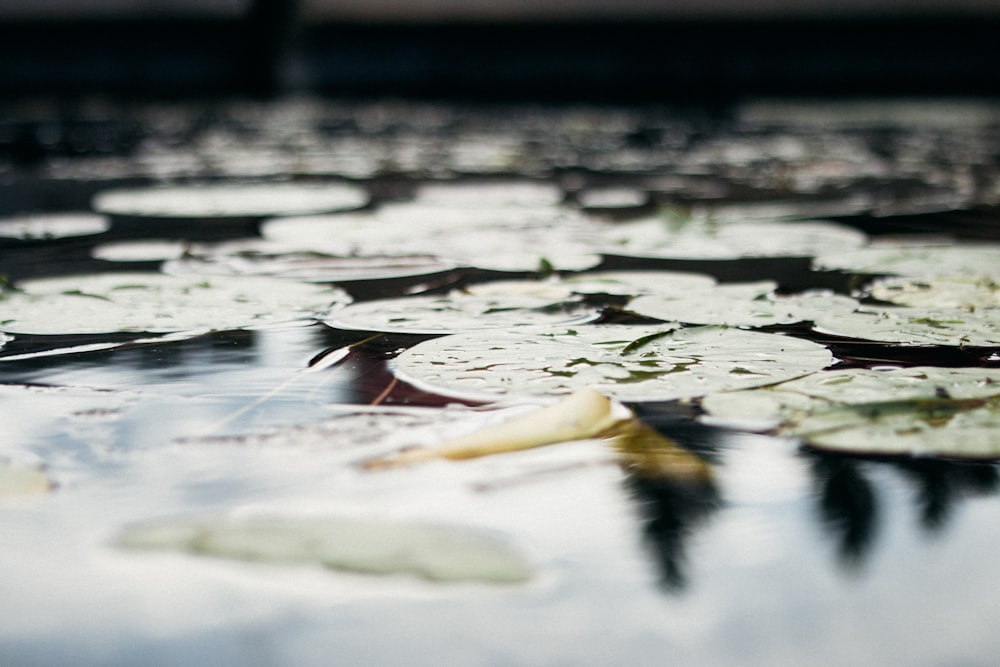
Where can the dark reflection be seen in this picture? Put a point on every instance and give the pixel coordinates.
(939, 485)
(847, 498)
(669, 475)
(848, 506)
(672, 510)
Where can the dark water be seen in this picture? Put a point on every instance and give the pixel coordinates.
(784, 556)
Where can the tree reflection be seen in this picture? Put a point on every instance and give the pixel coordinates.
(671, 480)
(848, 499)
(848, 506)
(672, 510)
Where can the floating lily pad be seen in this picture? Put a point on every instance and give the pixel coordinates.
(150, 250)
(686, 238)
(915, 326)
(965, 292)
(16, 480)
(53, 226)
(436, 552)
(260, 258)
(231, 200)
(489, 193)
(740, 304)
(622, 283)
(458, 312)
(152, 302)
(629, 363)
(917, 259)
(909, 411)
(517, 238)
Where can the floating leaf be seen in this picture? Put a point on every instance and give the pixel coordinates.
(740, 304)
(694, 239)
(517, 238)
(965, 292)
(148, 250)
(364, 545)
(457, 312)
(44, 226)
(917, 259)
(490, 193)
(152, 302)
(915, 326)
(583, 414)
(910, 411)
(231, 200)
(18, 480)
(686, 363)
(260, 258)
(624, 283)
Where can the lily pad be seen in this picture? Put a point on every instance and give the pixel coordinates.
(620, 283)
(230, 200)
(436, 552)
(628, 363)
(917, 259)
(919, 411)
(260, 258)
(915, 326)
(489, 193)
(517, 238)
(686, 238)
(150, 250)
(965, 292)
(152, 302)
(457, 312)
(740, 305)
(53, 226)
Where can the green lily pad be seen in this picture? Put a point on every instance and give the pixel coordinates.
(917, 259)
(489, 193)
(628, 363)
(915, 326)
(921, 411)
(965, 292)
(149, 250)
(230, 200)
(152, 302)
(458, 312)
(622, 283)
(431, 551)
(686, 238)
(740, 305)
(513, 238)
(53, 226)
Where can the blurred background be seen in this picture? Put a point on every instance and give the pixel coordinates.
(675, 50)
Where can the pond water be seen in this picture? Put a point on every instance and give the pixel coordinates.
(774, 552)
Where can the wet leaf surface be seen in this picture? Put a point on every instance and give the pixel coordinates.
(629, 363)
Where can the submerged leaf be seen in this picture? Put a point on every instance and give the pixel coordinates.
(353, 544)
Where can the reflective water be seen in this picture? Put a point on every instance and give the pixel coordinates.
(785, 556)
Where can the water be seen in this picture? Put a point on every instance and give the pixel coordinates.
(785, 555)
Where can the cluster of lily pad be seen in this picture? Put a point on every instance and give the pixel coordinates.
(745, 353)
